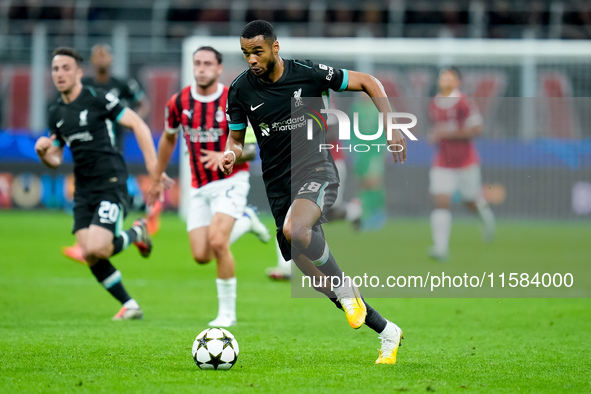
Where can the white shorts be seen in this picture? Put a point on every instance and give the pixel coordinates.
(449, 180)
(224, 196)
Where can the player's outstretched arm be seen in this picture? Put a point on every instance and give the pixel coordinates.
(374, 89)
(234, 150)
(143, 136)
(162, 181)
(51, 155)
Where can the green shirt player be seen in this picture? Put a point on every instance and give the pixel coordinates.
(369, 169)
(300, 180)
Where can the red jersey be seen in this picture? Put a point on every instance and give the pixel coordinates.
(204, 125)
(452, 113)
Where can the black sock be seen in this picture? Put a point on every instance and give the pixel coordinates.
(320, 255)
(330, 295)
(336, 302)
(374, 320)
(110, 278)
(123, 241)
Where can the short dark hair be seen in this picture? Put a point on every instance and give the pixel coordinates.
(453, 69)
(259, 28)
(67, 51)
(217, 54)
(105, 47)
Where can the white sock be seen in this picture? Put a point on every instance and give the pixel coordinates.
(241, 227)
(390, 329)
(440, 229)
(281, 263)
(138, 230)
(131, 304)
(227, 297)
(354, 210)
(487, 217)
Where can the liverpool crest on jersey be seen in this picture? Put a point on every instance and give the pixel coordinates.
(84, 118)
(298, 97)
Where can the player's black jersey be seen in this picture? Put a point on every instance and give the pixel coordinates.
(86, 126)
(128, 91)
(280, 126)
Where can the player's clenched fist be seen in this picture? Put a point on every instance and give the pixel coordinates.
(399, 140)
(227, 162)
(43, 144)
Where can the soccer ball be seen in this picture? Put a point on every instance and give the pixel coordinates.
(215, 348)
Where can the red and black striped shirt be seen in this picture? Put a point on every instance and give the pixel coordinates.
(204, 125)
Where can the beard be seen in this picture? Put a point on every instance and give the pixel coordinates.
(270, 67)
(206, 84)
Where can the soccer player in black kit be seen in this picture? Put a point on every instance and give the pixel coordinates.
(301, 186)
(130, 94)
(82, 119)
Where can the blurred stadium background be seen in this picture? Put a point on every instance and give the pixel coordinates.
(527, 63)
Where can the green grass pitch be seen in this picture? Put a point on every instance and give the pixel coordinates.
(56, 334)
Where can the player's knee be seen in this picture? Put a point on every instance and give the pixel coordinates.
(202, 257)
(218, 243)
(95, 253)
(297, 235)
(471, 205)
(442, 201)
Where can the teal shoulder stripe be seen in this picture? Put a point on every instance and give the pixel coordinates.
(345, 80)
(92, 91)
(120, 115)
(301, 64)
(238, 77)
(237, 126)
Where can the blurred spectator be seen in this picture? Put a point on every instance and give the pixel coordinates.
(341, 20)
(296, 16)
(455, 19)
(422, 19)
(260, 9)
(180, 14)
(373, 18)
(577, 20)
(344, 18)
(505, 20)
(214, 15)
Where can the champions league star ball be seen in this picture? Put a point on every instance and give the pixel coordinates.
(215, 348)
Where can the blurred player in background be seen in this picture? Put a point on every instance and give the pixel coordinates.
(369, 168)
(302, 184)
(218, 214)
(131, 95)
(82, 119)
(456, 166)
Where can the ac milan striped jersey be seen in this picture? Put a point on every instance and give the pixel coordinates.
(202, 120)
(452, 113)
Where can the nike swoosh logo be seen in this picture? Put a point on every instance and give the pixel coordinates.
(59, 124)
(254, 108)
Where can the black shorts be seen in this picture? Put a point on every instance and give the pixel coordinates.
(106, 208)
(320, 190)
